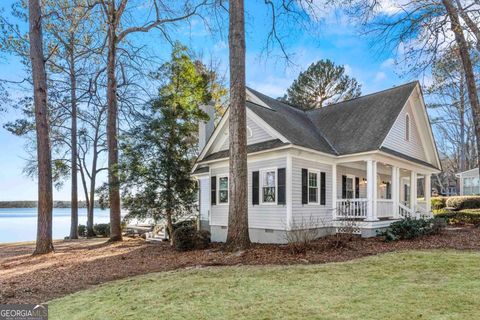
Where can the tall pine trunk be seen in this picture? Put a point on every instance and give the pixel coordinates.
(237, 236)
(463, 147)
(74, 154)
(467, 67)
(44, 242)
(112, 138)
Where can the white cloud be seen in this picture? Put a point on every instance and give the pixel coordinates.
(380, 76)
(388, 63)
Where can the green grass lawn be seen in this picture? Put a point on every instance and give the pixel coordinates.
(407, 285)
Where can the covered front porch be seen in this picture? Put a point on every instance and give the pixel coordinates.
(379, 191)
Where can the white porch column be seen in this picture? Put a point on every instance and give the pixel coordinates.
(413, 190)
(371, 190)
(395, 190)
(428, 191)
(334, 191)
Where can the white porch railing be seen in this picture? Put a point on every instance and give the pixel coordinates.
(384, 208)
(421, 206)
(404, 211)
(418, 213)
(352, 208)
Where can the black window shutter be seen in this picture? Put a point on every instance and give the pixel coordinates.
(213, 188)
(281, 186)
(344, 187)
(323, 196)
(255, 187)
(304, 186)
(357, 187)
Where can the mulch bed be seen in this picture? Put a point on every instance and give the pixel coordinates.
(78, 265)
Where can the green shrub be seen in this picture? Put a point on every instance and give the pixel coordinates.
(202, 239)
(102, 229)
(409, 228)
(82, 230)
(188, 238)
(438, 203)
(463, 202)
(184, 238)
(184, 223)
(460, 217)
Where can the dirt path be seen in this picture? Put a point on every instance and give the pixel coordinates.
(77, 265)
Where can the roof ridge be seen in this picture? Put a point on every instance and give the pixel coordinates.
(364, 96)
(280, 101)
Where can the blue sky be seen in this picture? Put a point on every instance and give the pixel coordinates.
(335, 38)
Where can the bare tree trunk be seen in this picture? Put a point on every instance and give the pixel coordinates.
(468, 68)
(238, 236)
(112, 139)
(169, 226)
(44, 242)
(469, 22)
(73, 97)
(463, 148)
(91, 207)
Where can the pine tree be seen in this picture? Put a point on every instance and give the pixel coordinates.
(158, 154)
(321, 84)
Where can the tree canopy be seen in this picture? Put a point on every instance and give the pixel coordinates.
(321, 84)
(158, 153)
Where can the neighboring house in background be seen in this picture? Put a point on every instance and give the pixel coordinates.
(354, 160)
(469, 182)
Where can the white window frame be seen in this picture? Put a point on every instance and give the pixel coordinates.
(317, 172)
(353, 177)
(262, 173)
(218, 190)
(408, 127)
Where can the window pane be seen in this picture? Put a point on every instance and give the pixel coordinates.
(268, 194)
(312, 179)
(223, 183)
(223, 196)
(312, 195)
(269, 179)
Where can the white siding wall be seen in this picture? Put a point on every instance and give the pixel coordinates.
(258, 134)
(204, 198)
(305, 213)
(395, 139)
(469, 183)
(259, 216)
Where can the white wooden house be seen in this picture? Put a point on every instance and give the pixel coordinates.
(368, 158)
(469, 182)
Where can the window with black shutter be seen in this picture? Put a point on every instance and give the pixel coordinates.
(255, 187)
(323, 196)
(281, 186)
(357, 187)
(344, 187)
(213, 189)
(304, 186)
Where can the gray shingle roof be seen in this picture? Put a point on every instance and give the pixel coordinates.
(292, 123)
(270, 144)
(348, 127)
(404, 156)
(201, 170)
(361, 124)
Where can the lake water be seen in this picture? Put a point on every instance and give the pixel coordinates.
(20, 224)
